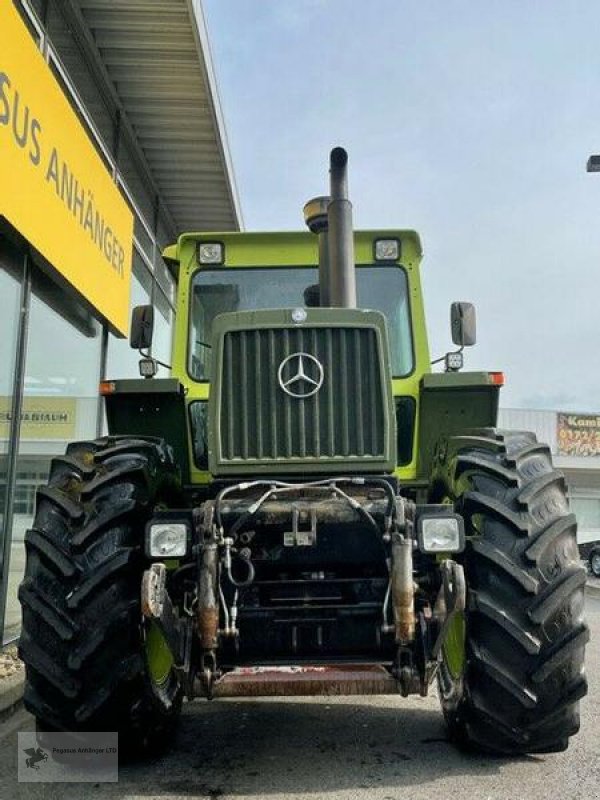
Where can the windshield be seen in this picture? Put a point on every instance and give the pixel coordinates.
(215, 292)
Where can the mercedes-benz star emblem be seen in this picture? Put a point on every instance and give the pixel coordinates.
(300, 375)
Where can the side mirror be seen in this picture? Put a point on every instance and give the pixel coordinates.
(142, 327)
(462, 324)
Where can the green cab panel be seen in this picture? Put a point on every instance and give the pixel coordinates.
(152, 407)
(293, 251)
(452, 402)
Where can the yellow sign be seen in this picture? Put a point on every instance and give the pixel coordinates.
(54, 187)
(41, 417)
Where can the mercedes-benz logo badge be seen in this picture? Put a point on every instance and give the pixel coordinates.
(300, 375)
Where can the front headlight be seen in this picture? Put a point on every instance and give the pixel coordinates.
(167, 540)
(441, 533)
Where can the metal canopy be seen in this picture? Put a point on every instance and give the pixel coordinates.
(158, 58)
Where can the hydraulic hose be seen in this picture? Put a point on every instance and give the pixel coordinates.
(249, 578)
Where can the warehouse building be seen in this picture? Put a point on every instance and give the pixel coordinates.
(111, 143)
(574, 441)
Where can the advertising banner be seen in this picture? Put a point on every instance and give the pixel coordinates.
(578, 434)
(41, 417)
(54, 187)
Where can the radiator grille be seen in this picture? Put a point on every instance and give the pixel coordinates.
(344, 419)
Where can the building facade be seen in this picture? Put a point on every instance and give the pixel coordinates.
(111, 144)
(574, 441)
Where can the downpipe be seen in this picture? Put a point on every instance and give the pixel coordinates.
(207, 612)
(411, 677)
(403, 595)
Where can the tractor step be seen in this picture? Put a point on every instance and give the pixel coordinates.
(337, 680)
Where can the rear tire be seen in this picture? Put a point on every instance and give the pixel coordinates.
(83, 641)
(519, 686)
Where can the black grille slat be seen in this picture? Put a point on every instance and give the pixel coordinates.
(330, 398)
(259, 421)
(243, 361)
(345, 393)
(259, 397)
(316, 407)
(301, 347)
(287, 400)
(272, 392)
(228, 405)
(359, 403)
(372, 408)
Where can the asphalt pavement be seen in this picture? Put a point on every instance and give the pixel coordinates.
(380, 748)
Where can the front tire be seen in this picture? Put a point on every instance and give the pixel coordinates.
(518, 687)
(83, 641)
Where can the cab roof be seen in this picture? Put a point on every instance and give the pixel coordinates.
(284, 248)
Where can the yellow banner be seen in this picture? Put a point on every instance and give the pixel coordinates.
(54, 187)
(41, 417)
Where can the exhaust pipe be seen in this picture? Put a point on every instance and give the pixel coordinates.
(341, 276)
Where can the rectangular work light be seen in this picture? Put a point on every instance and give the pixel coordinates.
(387, 249)
(442, 531)
(169, 534)
(454, 361)
(211, 253)
(148, 367)
(167, 539)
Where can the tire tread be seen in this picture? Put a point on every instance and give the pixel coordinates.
(525, 629)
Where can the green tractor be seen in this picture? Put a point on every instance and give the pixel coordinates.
(305, 508)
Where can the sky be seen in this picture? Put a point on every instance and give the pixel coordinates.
(470, 122)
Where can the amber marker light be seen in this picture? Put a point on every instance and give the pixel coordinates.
(496, 378)
(107, 387)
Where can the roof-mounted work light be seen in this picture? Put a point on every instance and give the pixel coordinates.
(211, 253)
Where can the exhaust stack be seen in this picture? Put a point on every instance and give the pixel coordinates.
(341, 277)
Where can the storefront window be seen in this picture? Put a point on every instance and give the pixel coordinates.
(10, 289)
(164, 234)
(132, 173)
(60, 404)
(59, 362)
(163, 329)
(164, 277)
(122, 361)
(143, 238)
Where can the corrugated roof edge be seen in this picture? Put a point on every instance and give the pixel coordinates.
(205, 57)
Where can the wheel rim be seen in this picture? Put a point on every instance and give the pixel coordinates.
(454, 647)
(595, 564)
(158, 655)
